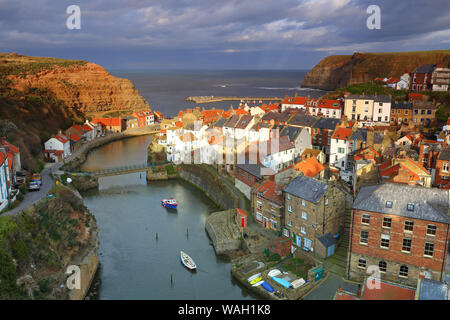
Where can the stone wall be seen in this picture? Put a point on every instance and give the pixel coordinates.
(208, 180)
(223, 231)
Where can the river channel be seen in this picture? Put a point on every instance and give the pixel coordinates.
(140, 241)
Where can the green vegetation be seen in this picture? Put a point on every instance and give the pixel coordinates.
(22, 65)
(170, 169)
(298, 267)
(44, 237)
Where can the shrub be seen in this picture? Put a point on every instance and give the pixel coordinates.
(8, 286)
(274, 257)
(20, 250)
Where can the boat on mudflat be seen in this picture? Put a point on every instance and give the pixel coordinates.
(253, 277)
(170, 203)
(267, 287)
(187, 261)
(283, 282)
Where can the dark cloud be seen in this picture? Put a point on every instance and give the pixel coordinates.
(213, 33)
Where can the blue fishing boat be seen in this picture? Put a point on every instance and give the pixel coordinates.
(267, 287)
(170, 203)
(283, 282)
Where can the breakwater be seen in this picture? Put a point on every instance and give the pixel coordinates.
(208, 99)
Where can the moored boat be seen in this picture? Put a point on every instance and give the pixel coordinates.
(274, 273)
(283, 282)
(253, 277)
(256, 280)
(170, 203)
(267, 287)
(187, 261)
(258, 283)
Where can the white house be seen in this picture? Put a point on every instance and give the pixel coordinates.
(404, 82)
(326, 108)
(89, 132)
(59, 143)
(277, 158)
(294, 103)
(229, 126)
(381, 108)
(4, 180)
(243, 126)
(300, 137)
(340, 147)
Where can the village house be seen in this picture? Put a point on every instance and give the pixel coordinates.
(277, 158)
(144, 118)
(401, 229)
(442, 175)
(404, 82)
(267, 204)
(300, 137)
(406, 171)
(340, 147)
(277, 118)
(312, 209)
(111, 124)
(294, 103)
(75, 141)
(243, 127)
(57, 148)
(260, 132)
(5, 180)
(89, 132)
(310, 167)
(428, 153)
(130, 122)
(229, 126)
(324, 108)
(322, 130)
(303, 121)
(424, 113)
(13, 154)
(158, 116)
(313, 153)
(440, 79)
(77, 130)
(401, 112)
(367, 108)
(421, 77)
(248, 175)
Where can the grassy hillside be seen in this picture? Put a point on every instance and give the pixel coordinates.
(28, 119)
(14, 64)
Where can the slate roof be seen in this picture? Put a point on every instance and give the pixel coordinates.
(253, 169)
(244, 121)
(232, 122)
(327, 123)
(220, 123)
(425, 68)
(307, 188)
(382, 98)
(327, 240)
(445, 154)
(291, 132)
(275, 116)
(378, 137)
(303, 120)
(430, 204)
(360, 96)
(402, 105)
(433, 290)
(359, 135)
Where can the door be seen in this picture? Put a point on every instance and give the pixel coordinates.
(330, 250)
(299, 241)
(307, 244)
(266, 224)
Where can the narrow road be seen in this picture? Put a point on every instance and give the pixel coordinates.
(327, 289)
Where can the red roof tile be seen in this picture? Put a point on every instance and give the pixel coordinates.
(271, 191)
(309, 167)
(342, 133)
(387, 291)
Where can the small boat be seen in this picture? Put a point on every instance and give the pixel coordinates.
(253, 277)
(256, 280)
(283, 282)
(187, 261)
(274, 273)
(267, 287)
(258, 283)
(298, 283)
(170, 203)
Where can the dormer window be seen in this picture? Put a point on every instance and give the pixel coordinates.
(410, 207)
(388, 204)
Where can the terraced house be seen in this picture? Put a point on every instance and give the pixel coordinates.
(402, 230)
(267, 204)
(312, 209)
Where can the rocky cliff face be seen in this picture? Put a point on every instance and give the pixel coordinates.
(339, 71)
(86, 87)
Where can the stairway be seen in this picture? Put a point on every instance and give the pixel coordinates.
(337, 263)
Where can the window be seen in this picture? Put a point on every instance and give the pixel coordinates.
(403, 271)
(364, 237)
(304, 215)
(406, 246)
(387, 222)
(429, 249)
(259, 217)
(288, 197)
(259, 205)
(383, 266)
(303, 203)
(409, 225)
(385, 241)
(431, 230)
(361, 263)
(410, 207)
(341, 150)
(289, 208)
(388, 204)
(303, 230)
(445, 167)
(365, 219)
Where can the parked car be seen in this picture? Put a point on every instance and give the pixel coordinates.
(34, 185)
(37, 178)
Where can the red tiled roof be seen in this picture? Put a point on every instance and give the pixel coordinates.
(342, 133)
(241, 212)
(62, 138)
(77, 128)
(415, 97)
(11, 147)
(295, 100)
(87, 128)
(110, 122)
(387, 291)
(240, 111)
(271, 191)
(75, 137)
(310, 167)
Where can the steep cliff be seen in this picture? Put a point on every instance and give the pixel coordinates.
(81, 85)
(338, 71)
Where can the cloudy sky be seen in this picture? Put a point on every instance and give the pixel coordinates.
(219, 34)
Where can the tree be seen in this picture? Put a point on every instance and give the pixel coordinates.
(6, 128)
(8, 285)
